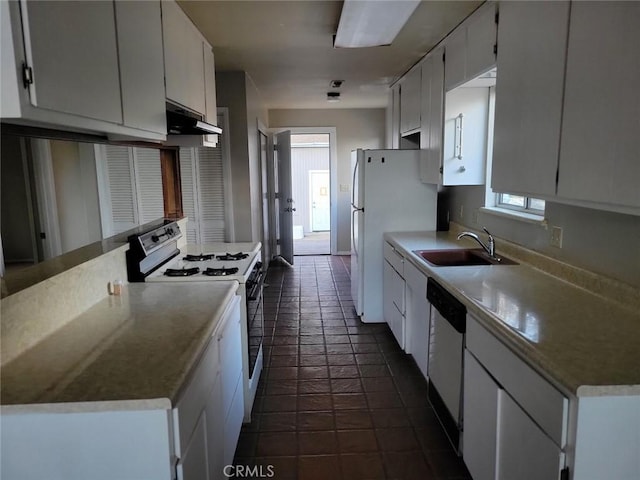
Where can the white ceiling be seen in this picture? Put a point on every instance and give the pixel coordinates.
(287, 48)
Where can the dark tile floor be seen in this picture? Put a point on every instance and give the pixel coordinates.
(338, 399)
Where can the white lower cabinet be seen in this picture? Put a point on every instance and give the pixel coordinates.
(524, 451)
(515, 422)
(416, 316)
(194, 440)
(194, 464)
(393, 301)
(480, 413)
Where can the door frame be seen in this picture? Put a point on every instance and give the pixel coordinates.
(333, 173)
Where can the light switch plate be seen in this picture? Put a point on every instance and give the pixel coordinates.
(345, 187)
(556, 237)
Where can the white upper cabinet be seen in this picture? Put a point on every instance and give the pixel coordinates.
(464, 144)
(211, 110)
(481, 41)
(141, 65)
(395, 117)
(601, 123)
(532, 40)
(183, 59)
(70, 57)
(410, 102)
(432, 114)
(470, 48)
(85, 66)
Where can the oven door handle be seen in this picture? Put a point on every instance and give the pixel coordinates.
(254, 289)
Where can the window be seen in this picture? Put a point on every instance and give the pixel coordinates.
(518, 202)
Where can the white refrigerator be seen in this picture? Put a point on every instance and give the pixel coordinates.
(387, 196)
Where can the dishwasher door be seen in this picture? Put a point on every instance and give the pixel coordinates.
(445, 362)
(446, 350)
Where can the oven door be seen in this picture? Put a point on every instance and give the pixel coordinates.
(255, 316)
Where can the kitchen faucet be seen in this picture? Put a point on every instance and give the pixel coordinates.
(490, 249)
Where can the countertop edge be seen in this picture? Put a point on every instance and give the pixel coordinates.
(88, 407)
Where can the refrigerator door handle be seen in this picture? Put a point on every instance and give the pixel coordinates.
(353, 183)
(353, 231)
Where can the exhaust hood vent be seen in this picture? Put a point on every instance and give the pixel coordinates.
(184, 122)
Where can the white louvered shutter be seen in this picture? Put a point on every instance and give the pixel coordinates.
(124, 215)
(148, 174)
(211, 194)
(189, 193)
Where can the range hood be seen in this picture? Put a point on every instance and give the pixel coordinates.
(184, 122)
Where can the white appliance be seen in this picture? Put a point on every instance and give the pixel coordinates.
(387, 196)
(154, 254)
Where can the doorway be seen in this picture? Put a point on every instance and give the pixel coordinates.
(311, 189)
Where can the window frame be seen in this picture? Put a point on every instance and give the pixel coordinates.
(527, 204)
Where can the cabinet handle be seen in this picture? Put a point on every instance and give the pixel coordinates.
(458, 137)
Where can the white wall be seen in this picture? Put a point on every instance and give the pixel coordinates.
(355, 128)
(74, 172)
(603, 242)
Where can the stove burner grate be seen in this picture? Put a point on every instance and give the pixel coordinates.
(233, 256)
(181, 272)
(220, 272)
(199, 258)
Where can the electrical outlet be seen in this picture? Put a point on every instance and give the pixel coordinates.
(345, 187)
(461, 214)
(556, 237)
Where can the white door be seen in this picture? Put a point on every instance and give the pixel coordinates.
(320, 204)
(285, 202)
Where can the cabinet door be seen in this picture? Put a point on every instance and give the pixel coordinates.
(215, 430)
(395, 118)
(183, 59)
(465, 136)
(601, 126)
(417, 317)
(141, 65)
(481, 41)
(211, 114)
(480, 413)
(72, 49)
(434, 65)
(410, 101)
(524, 451)
(230, 348)
(194, 464)
(455, 59)
(532, 39)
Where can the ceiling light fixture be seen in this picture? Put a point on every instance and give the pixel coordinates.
(333, 96)
(372, 23)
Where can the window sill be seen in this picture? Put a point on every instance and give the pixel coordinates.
(515, 215)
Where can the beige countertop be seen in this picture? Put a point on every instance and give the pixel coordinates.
(139, 346)
(583, 343)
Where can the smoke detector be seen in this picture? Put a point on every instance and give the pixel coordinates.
(333, 96)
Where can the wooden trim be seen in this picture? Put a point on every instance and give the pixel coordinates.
(171, 188)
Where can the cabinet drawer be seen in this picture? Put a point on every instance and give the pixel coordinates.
(542, 402)
(392, 256)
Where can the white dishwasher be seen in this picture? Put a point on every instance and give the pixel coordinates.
(446, 354)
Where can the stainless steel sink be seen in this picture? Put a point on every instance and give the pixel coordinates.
(461, 257)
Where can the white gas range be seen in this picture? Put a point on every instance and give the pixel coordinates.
(154, 257)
